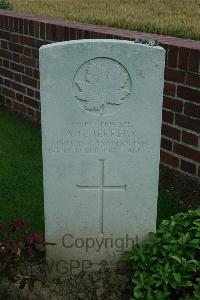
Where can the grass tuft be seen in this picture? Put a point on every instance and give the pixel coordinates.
(4, 4)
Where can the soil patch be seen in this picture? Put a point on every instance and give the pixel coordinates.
(185, 189)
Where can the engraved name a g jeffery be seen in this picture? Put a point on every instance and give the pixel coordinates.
(99, 133)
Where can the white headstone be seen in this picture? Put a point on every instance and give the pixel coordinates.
(101, 121)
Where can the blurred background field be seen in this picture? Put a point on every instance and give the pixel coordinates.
(176, 18)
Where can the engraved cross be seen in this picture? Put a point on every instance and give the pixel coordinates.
(101, 187)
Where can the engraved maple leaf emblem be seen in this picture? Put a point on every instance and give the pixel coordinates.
(102, 85)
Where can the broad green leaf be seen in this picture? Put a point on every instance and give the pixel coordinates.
(178, 259)
(177, 277)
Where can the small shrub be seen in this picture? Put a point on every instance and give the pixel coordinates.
(167, 264)
(4, 4)
(19, 251)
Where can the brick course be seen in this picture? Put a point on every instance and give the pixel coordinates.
(21, 36)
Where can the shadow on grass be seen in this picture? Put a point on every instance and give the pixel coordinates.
(21, 191)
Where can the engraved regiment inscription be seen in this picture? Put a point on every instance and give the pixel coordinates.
(101, 85)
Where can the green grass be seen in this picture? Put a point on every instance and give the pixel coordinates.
(21, 190)
(4, 4)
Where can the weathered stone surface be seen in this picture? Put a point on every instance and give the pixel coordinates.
(101, 121)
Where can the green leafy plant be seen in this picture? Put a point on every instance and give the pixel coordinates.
(20, 251)
(4, 4)
(167, 264)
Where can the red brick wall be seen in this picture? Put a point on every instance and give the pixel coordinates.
(22, 35)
